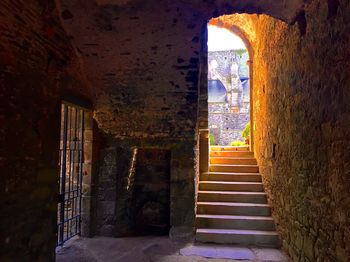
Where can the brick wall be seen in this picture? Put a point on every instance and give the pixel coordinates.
(37, 69)
(144, 68)
(148, 73)
(301, 126)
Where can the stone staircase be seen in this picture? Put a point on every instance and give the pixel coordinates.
(232, 205)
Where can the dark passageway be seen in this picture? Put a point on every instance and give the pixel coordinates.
(139, 71)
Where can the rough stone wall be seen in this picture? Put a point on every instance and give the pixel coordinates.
(225, 125)
(143, 61)
(145, 82)
(115, 190)
(145, 92)
(134, 48)
(302, 124)
(37, 69)
(145, 184)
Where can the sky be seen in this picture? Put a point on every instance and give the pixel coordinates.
(220, 39)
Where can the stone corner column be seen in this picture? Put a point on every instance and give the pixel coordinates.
(203, 150)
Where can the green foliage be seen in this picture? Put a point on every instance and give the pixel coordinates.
(240, 52)
(246, 131)
(237, 143)
(211, 139)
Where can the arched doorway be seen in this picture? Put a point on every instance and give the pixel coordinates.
(230, 107)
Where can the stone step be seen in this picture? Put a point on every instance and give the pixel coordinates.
(238, 237)
(231, 154)
(227, 196)
(233, 208)
(229, 148)
(233, 160)
(234, 168)
(235, 222)
(231, 186)
(237, 177)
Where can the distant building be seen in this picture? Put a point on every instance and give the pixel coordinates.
(228, 95)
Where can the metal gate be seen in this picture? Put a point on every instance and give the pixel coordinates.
(71, 159)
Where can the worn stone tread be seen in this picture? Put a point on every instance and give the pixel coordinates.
(232, 165)
(232, 192)
(230, 182)
(233, 217)
(236, 231)
(233, 204)
(229, 173)
(235, 157)
(229, 148)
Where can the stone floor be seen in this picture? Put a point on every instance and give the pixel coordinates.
(160, 249)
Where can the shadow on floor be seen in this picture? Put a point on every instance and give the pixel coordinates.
(158, 249)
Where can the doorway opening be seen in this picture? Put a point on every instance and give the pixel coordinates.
(74, 171)
(150, 202)
(229, 88)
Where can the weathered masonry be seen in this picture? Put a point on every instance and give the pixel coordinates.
(139, 70)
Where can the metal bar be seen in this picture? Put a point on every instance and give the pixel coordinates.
(71, 173)
(74, 155)
(71, 168)
(70, 158)
(75, 190)
(66, 239)
(69, 219)
(78, 105)
(81, 161)
(79, 177)
(63, 170)
(70, 199)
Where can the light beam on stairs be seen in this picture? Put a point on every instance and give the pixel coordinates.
(232, 206)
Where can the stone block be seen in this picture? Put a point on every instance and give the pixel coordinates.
(308, 247)
(106, 207)
(107, 231)
(181, 233)
(86, 205)
(88, 137)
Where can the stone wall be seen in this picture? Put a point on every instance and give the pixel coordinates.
(302, 124)
(148, 73)
(146, 187)
(38, 68)
(116, 185)
(145, 81)
(145, 93)
(225, 125)
(149, 86)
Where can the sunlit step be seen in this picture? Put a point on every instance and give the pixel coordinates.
(233, 177)
(234, 168)
(231, 186)
(233, 160)
(227, 196)
(229, 148)
(238, 237)
(235, 222)
(233, 208)
(231, 154)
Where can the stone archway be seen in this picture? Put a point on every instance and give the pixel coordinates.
(242, 34)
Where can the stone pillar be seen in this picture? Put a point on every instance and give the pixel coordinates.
(251, 105)
(182, 191)
(87, 175)
(203, 150)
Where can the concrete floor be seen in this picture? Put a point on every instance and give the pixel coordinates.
(160, 249)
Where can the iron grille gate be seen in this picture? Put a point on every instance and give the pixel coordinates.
(71, 169)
